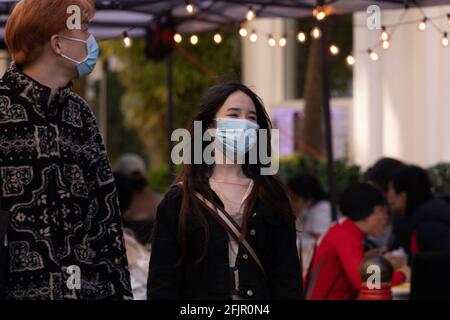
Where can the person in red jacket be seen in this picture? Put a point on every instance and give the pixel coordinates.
(335, 270)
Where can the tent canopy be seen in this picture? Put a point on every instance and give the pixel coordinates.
(135, 16)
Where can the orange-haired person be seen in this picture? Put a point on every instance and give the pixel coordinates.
(64, 237)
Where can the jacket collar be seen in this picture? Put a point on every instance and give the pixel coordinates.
(352, 227)
(35, 92)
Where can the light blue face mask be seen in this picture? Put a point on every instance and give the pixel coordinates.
(235, 137)
(87, 65)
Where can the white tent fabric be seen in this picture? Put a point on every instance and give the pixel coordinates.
(116, 16)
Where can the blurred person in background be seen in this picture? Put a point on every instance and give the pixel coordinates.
(379, 176)
(426, 218)
(138, 255)
(335, 270)
(141, 213)
(313, 210)
(57, 182)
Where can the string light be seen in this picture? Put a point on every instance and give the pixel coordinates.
(127, 41)
(189, 7)
(334, 50)
(194, 40)
(384, 36)
(423, 24)
(217, 38)
(272, 42)
(319, 13)
(350, 60)
(373, 55)
(177, 38)
(283, 41)
(253, 36)
(316, 33)
(385, 44)
(444, 40)
(301, 36)
(250, 14)
(243, 32)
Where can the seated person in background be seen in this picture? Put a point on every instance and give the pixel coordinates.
(137, 254)
(141, 212)
(335, 270)
(313, 211)
(379, 176)
(427, 219)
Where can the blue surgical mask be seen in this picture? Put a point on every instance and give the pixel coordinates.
(235, 137)
(87, 65)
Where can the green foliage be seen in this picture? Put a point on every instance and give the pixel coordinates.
(440, 177)
(345, 172)
(144, 102)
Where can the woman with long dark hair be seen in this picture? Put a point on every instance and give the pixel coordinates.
(224, 230)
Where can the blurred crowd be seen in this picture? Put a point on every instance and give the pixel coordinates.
(393, 214)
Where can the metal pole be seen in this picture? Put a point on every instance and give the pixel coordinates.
(169, 67)
(327, 118)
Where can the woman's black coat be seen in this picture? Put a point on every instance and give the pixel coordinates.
(272, 236)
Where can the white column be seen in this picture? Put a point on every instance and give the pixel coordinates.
(264, 67)
(401, 102)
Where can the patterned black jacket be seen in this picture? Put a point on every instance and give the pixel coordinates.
(56, 181)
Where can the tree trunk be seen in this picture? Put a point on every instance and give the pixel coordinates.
(313, 131)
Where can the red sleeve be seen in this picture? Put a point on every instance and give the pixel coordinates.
(397, 278)
(351, 254)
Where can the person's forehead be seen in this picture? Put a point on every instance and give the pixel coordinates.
(240, 100)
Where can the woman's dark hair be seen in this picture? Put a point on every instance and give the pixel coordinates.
(194, 177)
(381, 172)
(307, 186)
(414, 181)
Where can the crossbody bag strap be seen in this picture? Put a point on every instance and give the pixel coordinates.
(233, 228)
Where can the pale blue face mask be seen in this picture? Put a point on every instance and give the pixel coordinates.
(87, 65)
(235, 137)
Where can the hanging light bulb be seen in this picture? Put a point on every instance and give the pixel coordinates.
(448, 19)
(350, 60)
(272, 42)
(319, 13)
(423, 24)
(189, 7)
(194, 40)
(301, 37)
(283, 41)
(373, 55)
(243, 32)
(444, 40)
(250, 14)
(253, 36)
(177, 38)
(316, 33)
(384, 36)
(385, 44)
(334, 50)
(127, 41)
(217, 38)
